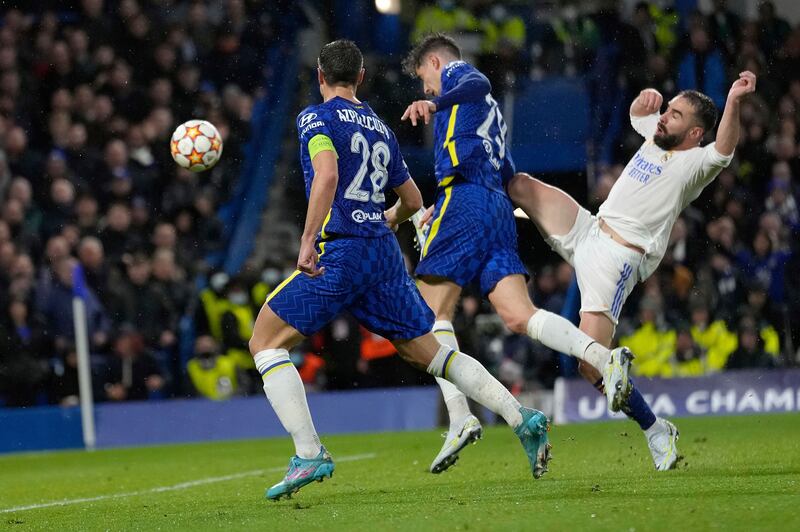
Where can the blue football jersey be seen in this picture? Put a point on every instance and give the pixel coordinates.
(470, 138)
(369, 163)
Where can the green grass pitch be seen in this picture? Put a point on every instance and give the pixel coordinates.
(739, 473)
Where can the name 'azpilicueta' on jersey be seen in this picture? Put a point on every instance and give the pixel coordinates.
(365, 121)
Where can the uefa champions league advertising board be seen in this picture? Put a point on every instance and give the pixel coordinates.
(732, 392)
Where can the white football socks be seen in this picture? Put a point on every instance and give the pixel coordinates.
(472, 378)
(456, 402)
(286, 394)
(557, 333)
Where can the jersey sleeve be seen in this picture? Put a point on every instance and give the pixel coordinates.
(462, 83)
(314, 132)
(710, 163)
(645, 125)
(398, 171)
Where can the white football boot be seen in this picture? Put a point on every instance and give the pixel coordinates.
(617, 384)
(470, 431)
(662, 439)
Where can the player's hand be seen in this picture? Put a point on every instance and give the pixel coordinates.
(308, 259)
(651, 100)
(742, 86)
(421, 109)
(391, 218)
(426, 218)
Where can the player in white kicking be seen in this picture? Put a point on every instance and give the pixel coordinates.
(625, 242)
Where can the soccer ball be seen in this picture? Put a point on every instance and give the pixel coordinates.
(196, 145)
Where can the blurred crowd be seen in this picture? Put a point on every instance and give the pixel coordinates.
(90, 95)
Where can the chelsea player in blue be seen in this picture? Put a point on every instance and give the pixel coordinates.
(473, 237)
(350, 261)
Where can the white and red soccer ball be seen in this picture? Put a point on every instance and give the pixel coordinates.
(196, 145)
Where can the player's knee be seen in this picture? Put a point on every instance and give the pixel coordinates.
(258, 342)
(255, 344)
(412, 358)
(518, 324)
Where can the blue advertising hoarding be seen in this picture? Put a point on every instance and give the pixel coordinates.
(732, 392)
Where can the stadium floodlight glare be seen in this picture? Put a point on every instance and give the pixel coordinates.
(388, 7)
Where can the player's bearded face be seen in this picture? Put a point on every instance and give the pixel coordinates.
(666, 139)
(675, 124)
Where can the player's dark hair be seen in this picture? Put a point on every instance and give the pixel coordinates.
(341, 62)
(432, 42)
(704, 108)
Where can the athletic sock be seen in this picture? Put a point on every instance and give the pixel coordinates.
(472, 378)
(456, 402)
(557, 333)
(285, 392)
(638, 410)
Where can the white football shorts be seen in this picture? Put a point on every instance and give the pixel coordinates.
(606, 270)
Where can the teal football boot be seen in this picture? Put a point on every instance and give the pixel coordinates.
(532, 433)
(302, 471)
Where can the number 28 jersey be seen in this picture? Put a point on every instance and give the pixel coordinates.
(470, 138)
(369, 163)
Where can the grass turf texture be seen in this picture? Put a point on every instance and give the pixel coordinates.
(739, 473)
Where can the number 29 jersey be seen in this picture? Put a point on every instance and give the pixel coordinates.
(470, 137)
(369, 162)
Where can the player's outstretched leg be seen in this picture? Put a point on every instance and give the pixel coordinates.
(284, 390)
(531, 426)
(511, 301)
(661, 435)
(464, 427)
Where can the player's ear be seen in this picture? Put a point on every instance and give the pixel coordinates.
(360, 79)
(435, 62)
(320, 76)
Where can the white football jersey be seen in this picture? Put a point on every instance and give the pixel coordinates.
(654, 188)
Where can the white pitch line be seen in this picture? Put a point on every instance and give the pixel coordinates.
(174, 487)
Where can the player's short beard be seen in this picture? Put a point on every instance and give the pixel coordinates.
(667, 142)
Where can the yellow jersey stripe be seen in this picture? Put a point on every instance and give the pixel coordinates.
(283, 284)
(327, 219)
(449, 143)
(451, 149)
(451, 126)
(448, 191)
(446, 181)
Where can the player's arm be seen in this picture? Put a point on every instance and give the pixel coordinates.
(471, 86)
(323, 190)
(647, 103)
(409, 201)
(728, 130)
